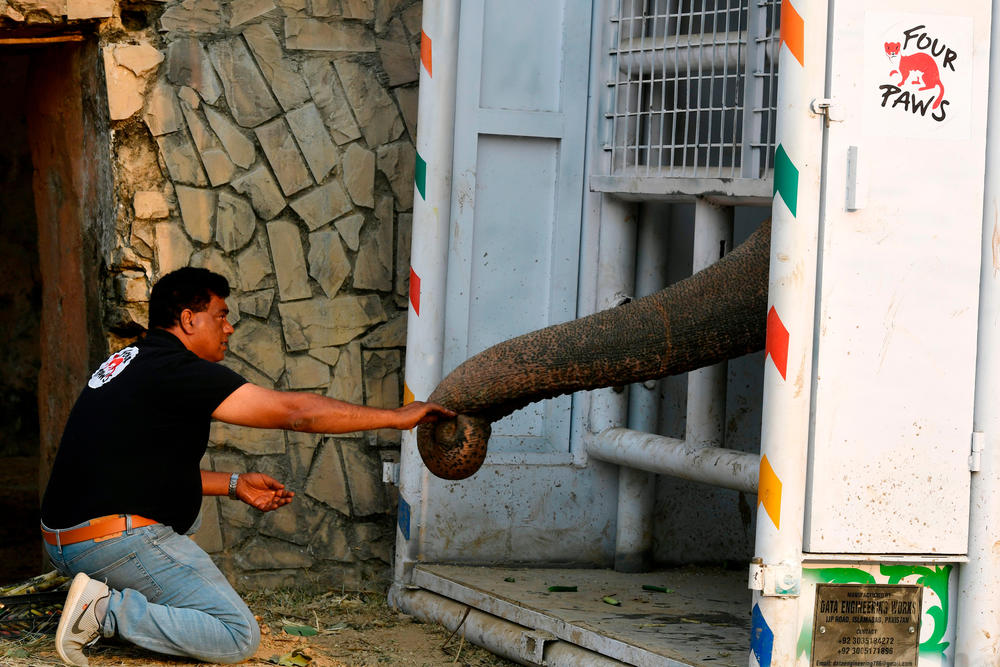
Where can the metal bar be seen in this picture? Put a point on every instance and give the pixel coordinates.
(706, 387)
(699, 104)
(429, 254)
(610, 115)
(787, 396)
(650, 277)
(647, 143)
(722, 104)
(727, 468)
(663, 82)
(634, 525)
(635, 76)
(752, 91)
(978, 638)
(711, 94)
(675, 112)
(688, 106)
(637, 488)
(615, 274)
(773, 43)
(739, 109)
(615, 280)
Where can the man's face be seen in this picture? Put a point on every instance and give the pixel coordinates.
(211, 330)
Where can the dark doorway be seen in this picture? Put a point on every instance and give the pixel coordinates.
(54, 201)
(20, 322)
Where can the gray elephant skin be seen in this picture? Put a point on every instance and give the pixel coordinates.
(717, 314)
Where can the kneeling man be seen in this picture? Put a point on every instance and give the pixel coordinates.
(126, 486)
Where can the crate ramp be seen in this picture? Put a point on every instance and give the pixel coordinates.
(701, 618)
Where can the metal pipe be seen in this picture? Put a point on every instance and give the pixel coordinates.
(706, 387)
(510, 640)
(677, 54)
(609, 407)
(776, 573)
(978, 635)
(669, 456)
(429, 249)
(650, 277)
(615, 271)
(637, 488)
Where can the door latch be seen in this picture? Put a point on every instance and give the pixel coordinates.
(829, 108)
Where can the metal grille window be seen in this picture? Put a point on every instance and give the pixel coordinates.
(694, 88)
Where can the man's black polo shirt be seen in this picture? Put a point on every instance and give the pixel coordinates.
(136, 435)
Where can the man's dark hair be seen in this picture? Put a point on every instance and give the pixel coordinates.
(188, 287)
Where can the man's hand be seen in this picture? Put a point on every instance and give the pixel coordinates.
(263, 492)
(419, 412)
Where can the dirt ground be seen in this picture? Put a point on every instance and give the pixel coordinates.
(353, 629)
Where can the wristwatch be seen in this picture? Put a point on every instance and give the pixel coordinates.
(233, 479)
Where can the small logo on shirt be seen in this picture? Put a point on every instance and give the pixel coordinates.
(115, 364)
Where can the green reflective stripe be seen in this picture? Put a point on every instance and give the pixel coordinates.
(420, 177)
(786, 179)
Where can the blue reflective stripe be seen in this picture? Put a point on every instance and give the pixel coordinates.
(761, 638)
(403, 517)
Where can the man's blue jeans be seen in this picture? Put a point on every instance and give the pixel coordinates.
(166, 594)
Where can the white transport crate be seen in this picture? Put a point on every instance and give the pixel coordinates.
(574, 153)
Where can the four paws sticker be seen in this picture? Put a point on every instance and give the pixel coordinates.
(919, 61)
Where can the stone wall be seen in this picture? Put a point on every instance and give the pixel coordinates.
(271, 141)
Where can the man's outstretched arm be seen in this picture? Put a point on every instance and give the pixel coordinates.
(252, 405)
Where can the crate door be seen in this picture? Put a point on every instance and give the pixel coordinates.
(513, 265)
(517, 194)
(896, 318)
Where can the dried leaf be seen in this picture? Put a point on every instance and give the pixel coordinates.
(336, 627)
(296, 658)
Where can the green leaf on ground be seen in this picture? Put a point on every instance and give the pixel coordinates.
(611, 601)
(562, 589)
(658, 589)
(300, 630)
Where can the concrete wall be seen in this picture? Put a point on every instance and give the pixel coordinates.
(270, 141)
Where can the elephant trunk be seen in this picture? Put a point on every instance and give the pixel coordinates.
(717, 314)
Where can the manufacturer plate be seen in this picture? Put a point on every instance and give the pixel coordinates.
(866, 625)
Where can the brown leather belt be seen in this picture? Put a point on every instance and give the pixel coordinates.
(101, 528)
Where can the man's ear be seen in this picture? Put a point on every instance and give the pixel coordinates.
(186, 320)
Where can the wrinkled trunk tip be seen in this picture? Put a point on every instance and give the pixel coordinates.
(454, 448)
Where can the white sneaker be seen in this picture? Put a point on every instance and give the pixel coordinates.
(79, 625)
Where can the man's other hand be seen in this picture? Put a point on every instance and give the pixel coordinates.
(261, 491)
